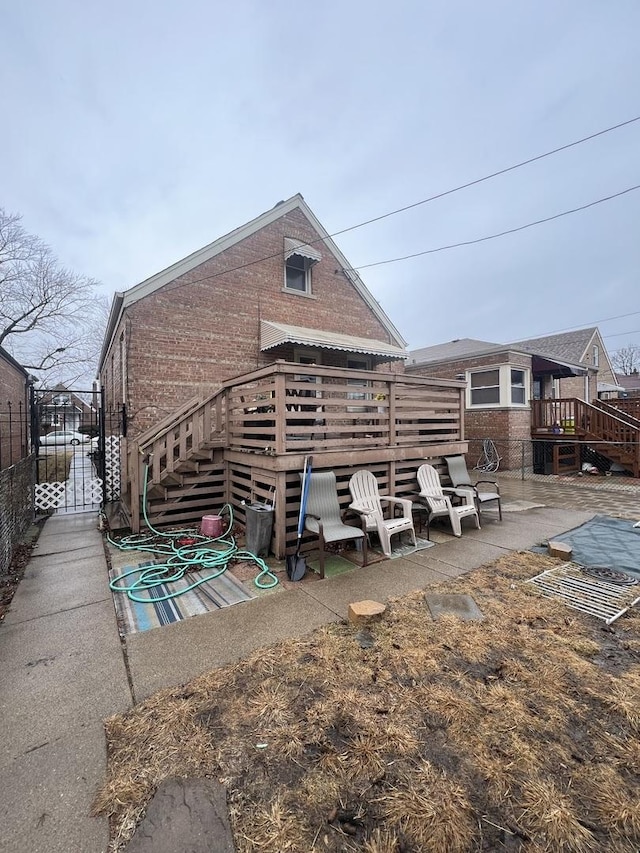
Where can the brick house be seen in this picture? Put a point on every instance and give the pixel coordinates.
(275, 288)
(62, 409)
(529, 389)
(211, 356)
(16, 461)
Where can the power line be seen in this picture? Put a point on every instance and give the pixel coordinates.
(587, 325)
(620, 334)
(495, 236)
(435, 197)
(489, 177)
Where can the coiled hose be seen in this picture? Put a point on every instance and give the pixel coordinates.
(183, 551)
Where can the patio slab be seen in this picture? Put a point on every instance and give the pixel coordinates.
(381, 581)
(176, 653)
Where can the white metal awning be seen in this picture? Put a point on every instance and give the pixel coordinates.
(297, 247)
(275, 334)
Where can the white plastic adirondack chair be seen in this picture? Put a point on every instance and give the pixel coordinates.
(439, 503)
(367, 502)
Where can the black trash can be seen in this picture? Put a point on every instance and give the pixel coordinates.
(258, 529)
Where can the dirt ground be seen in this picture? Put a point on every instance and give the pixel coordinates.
(520, 732)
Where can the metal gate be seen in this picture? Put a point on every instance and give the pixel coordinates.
(69, 440)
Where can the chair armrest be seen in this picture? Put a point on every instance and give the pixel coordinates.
(405, 503)
(361, 509)
(490, 483)
(428, 499)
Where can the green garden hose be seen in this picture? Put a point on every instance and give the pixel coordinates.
(183, 551)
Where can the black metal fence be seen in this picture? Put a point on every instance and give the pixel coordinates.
(14, 434)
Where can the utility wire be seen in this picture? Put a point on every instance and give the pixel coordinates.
(489, 177)
(494, 236)
(587, 325)
(435, 197)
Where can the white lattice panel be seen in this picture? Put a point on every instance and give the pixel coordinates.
(49, 495)
(112, 466)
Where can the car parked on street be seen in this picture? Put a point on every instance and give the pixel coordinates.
(67, 437)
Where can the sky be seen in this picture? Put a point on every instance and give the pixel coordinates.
(137, 132)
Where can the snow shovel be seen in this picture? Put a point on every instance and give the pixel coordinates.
(297, 565)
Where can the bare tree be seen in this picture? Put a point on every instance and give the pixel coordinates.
(627, 359)
(48, 314)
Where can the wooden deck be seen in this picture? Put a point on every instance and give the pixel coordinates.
(248, 441)
(612, 433)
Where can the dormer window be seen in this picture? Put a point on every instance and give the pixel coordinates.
(299, 259)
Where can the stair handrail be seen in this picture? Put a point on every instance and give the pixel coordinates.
(610, 409)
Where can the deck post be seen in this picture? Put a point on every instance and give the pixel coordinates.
(391, 396)
(280, 414)
(280, 516)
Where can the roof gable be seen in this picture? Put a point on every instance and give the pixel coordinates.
(570, 346)
(126, 298)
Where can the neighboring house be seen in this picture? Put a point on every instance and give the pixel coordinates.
(16, 462)
(585, 347)
(261, 348)
(536, 388)
(62, 409)
(630, 384)
(275, 288)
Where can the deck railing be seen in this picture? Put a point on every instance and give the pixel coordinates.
(573, 417)
(287, 408)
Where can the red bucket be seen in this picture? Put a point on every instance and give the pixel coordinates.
(211, 526)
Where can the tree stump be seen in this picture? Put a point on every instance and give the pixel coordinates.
(363, 612)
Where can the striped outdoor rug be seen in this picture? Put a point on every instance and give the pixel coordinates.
(134, 616)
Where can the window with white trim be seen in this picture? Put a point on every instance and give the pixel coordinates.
(596, 356)
(298, 273)
(485, 387)
(502, 386)
(518, 388)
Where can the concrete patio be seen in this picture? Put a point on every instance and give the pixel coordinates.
(64, 667)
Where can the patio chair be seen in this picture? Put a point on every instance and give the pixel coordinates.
(323, 516)
(439, 504)
(367, 502)
(462, 482)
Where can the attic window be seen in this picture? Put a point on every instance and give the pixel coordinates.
(299, 259)
(298, 274)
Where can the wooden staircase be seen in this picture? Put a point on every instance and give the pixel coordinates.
(612, 432)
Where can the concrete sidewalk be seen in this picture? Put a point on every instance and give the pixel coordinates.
(61, 673)
(63, 667)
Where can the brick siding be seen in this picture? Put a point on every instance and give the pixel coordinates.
(184, 342)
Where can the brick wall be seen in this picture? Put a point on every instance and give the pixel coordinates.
(14, 435)
(16, 505)
(184, 341)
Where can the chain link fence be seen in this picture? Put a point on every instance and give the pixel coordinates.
(530, 458)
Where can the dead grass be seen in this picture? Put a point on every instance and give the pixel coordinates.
(517, 733)
(54, 467)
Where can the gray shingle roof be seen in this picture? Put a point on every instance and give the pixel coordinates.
(569, 346)
(452, 349)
